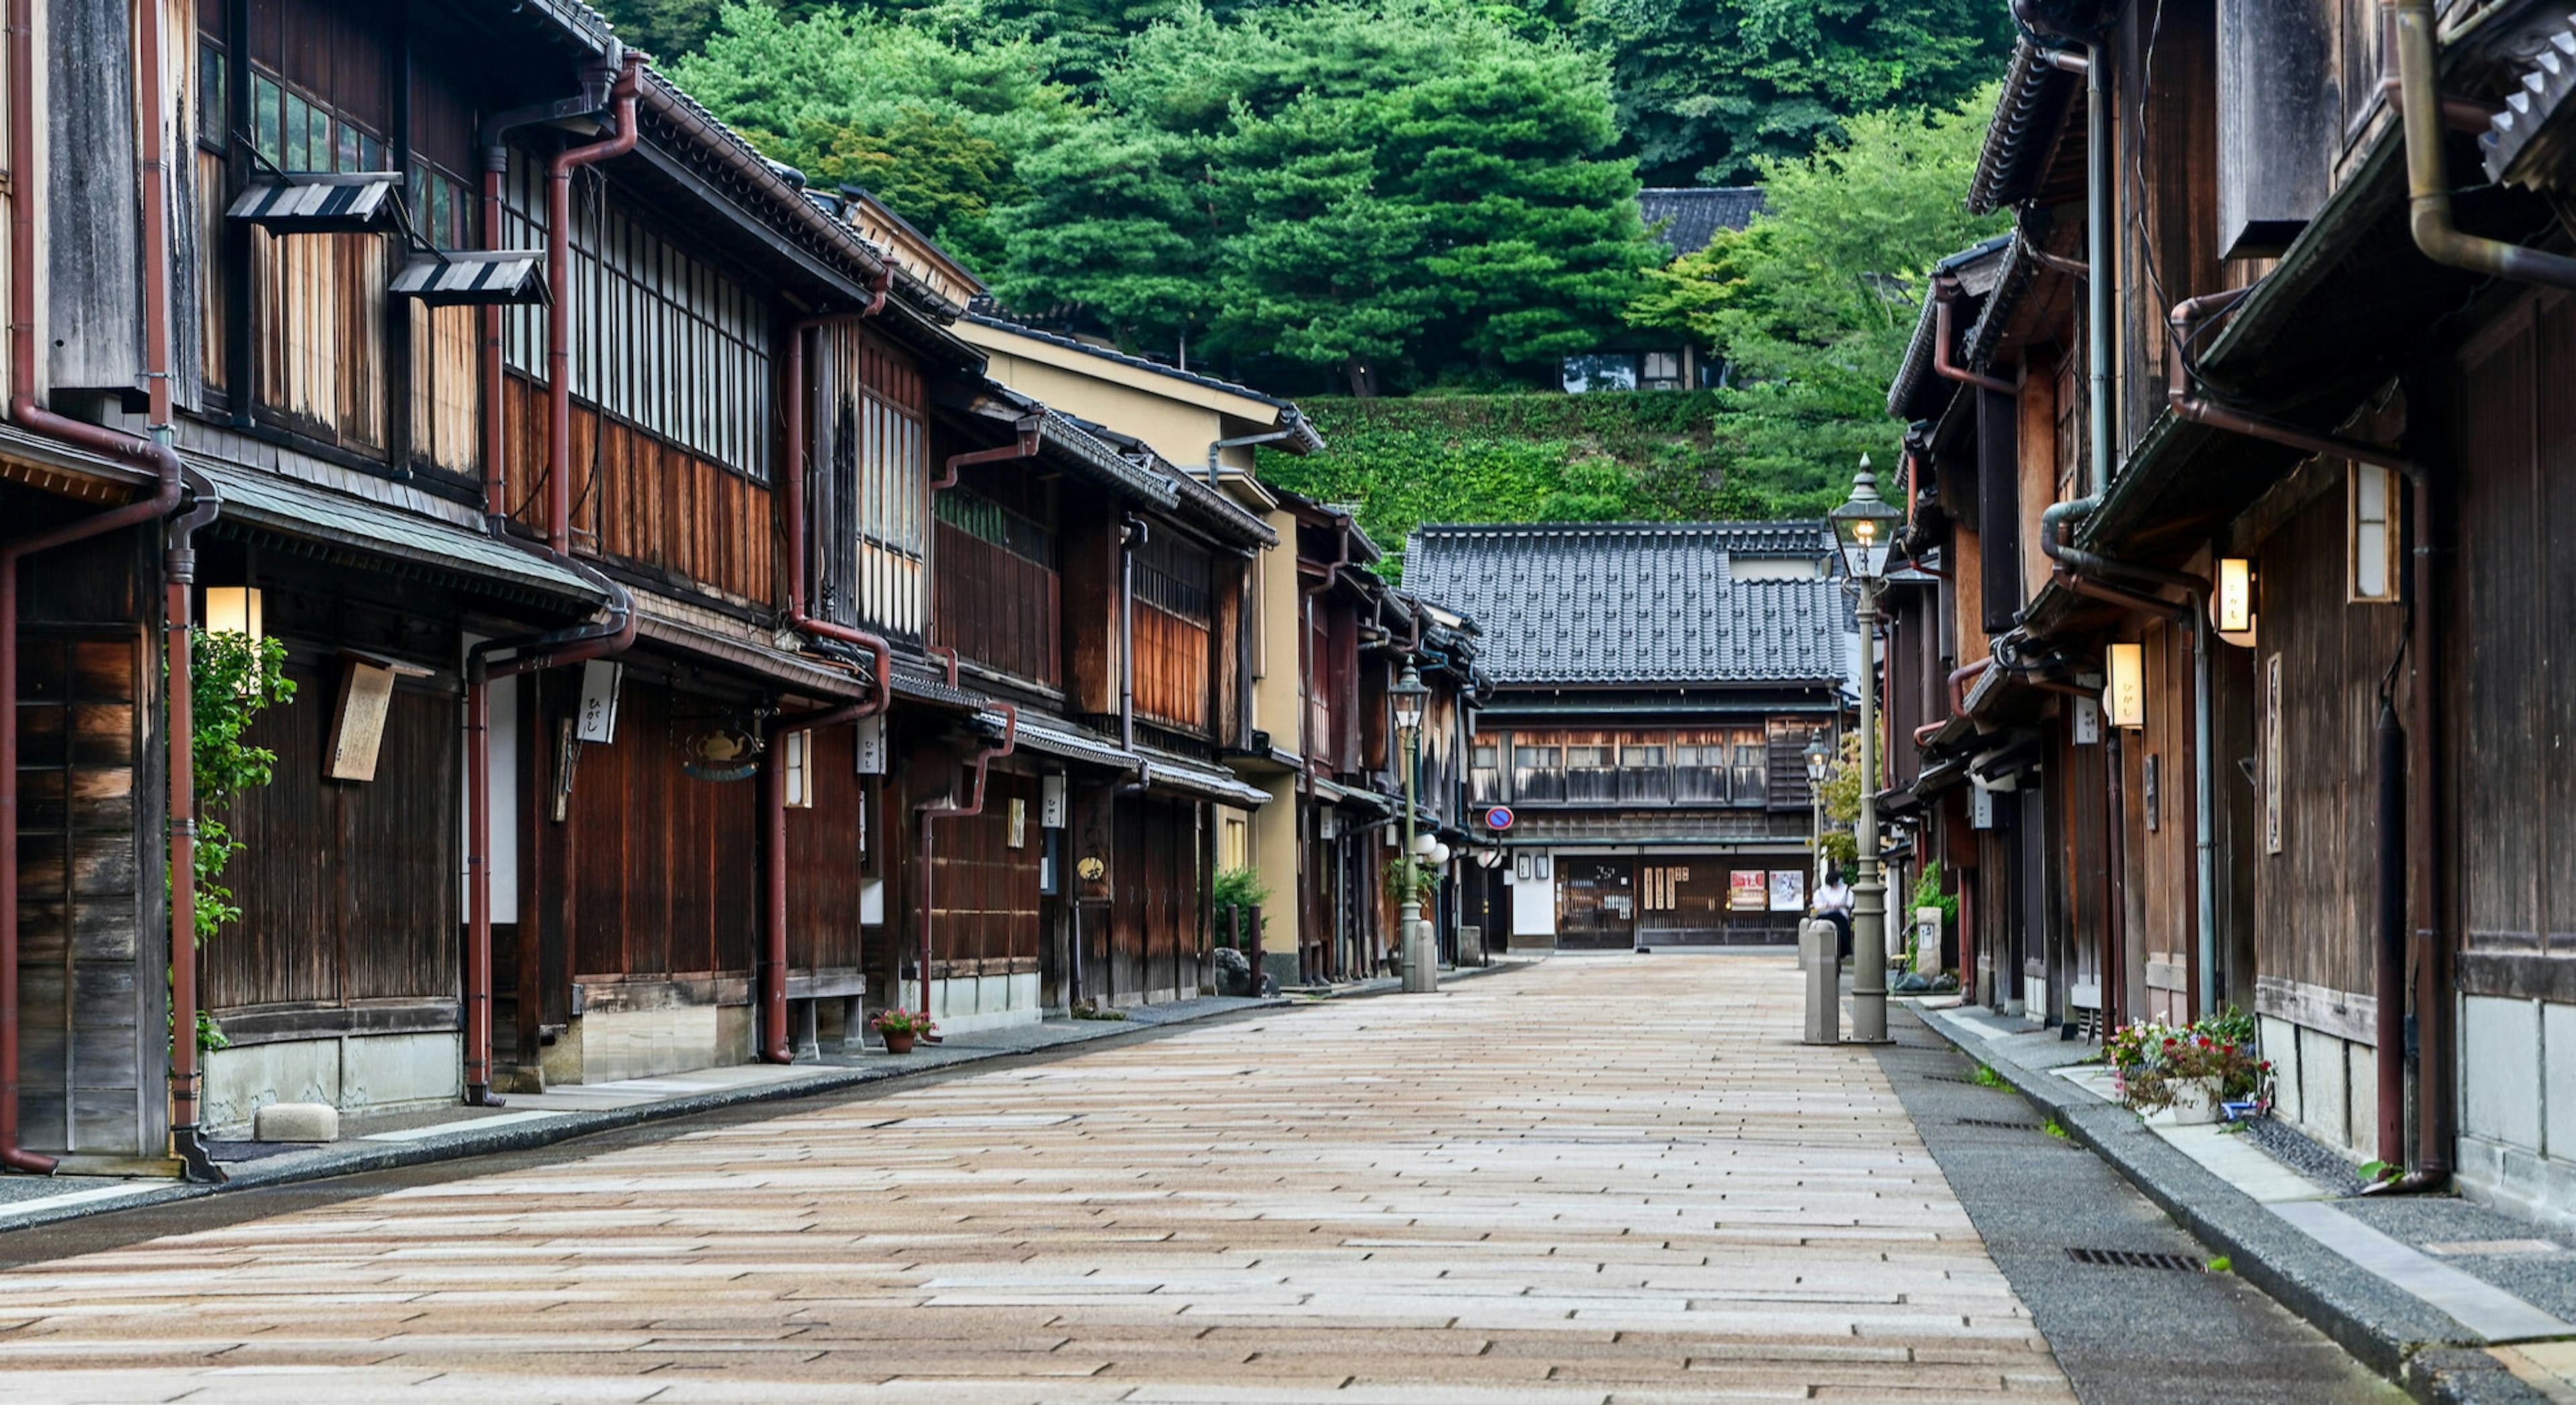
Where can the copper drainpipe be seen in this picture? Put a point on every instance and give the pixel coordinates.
(775, 1044)
(1945, 291)
(974, 805)
(559, 169)
(1960, 677)
(2428, 185)
(153, 452)
(178, 615)
(594, 97)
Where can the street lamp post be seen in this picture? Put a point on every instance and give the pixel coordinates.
(1819, 760)
(1865, 528)
(1420, 975)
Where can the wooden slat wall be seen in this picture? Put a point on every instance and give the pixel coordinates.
(2313, 902)
(321, 304)
(347, 889)
(997, 607)
(639, 499)
(2162, 888)
(446, 387)
(984, 893)
(213, 313)
(2512, 784)
(665, 870)
(1153, 932)
(1171, 669)
(2087, 857)
(826, 855)
(79, 948)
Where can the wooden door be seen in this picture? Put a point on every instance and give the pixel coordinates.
(1597, 904)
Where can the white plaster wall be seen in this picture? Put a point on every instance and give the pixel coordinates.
(1534, 906)
(2500, 1063)
(970, 1003)
(360, 1073)
(2323, 1084)
(615, 1044)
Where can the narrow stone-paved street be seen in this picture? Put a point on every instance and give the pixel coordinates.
(1604, 1180)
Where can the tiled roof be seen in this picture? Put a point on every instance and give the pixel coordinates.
(1686, 217)
(1307, 441)
(1634, 602)
(1977, 267)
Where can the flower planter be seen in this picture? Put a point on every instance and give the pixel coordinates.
(900, 1043)
(2196, 1102)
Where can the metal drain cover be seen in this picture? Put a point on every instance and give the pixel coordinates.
(1996, 1125)
(2133, 1258)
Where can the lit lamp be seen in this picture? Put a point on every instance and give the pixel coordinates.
(1407, 694)
(2124, 687)
(2231, 601)
(1865, 531)
(233, 609)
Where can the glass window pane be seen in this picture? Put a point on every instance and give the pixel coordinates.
(264, 119)
(349, 148)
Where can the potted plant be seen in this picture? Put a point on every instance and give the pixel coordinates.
(901, 1028)
(2187, 1074)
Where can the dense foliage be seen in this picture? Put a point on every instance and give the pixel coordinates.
(1709, 88)
(1814, 302)
(232, 679)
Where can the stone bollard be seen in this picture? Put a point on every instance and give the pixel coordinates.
(1819, 959)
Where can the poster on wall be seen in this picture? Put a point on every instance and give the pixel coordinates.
(1748, 890)
(1788, 890)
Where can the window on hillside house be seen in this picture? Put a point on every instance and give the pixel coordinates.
(1603, 370)
(1662, 370)
(1752, 763)
(1538, 773)
(660, 338)
(1485, 773)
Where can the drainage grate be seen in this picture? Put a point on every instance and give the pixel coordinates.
(2132, 1258)
(1996, 1125)
(1949, 1078)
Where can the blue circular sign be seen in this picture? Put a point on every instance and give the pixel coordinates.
(1499, 817)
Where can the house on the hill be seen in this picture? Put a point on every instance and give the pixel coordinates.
(1685, 218)
(1656, 686)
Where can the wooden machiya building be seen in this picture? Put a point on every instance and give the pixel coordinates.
(692, 650)
(1655, 689)
(2252, 595)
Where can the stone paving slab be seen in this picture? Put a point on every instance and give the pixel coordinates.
(1487, 1197)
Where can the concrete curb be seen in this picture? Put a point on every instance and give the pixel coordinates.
(2383, 1326)
(356, 1156)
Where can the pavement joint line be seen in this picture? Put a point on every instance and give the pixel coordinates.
(2390, 1329)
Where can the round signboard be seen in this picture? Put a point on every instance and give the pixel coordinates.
(1499, 817)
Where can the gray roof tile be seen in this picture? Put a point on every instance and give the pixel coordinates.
(1635, 602)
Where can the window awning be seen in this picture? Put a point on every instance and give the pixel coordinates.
(1050, 737)
(320, 202)
(474, 277)
(1198, 780)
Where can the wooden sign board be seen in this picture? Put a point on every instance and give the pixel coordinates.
(358, 720)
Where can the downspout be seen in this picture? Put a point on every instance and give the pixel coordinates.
(1960, 677)
(2418, 813)
(1945, 291)
(2428, 185)
(1247, 441)
(974, 805)
(154, 451)
(1132, 537)
(177, 611)
(2098, 290)
(593, 97)
(800, 561)
(775, 1045)
(608, 634)
(559, 169)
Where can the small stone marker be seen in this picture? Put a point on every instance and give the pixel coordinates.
(296, 1122)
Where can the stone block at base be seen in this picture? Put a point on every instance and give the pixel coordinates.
(296, 1122)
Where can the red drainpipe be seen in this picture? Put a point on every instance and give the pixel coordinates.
(153, 452)
(1945, 292)
(609, 634)
(1959, 679)
(984, 757)
(559, 169)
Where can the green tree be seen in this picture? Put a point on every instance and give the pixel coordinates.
(934, 128)
(1708, 88)
(1813, 303)
(1344, 185)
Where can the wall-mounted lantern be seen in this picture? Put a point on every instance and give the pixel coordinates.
(2231, 601)
(234, 609)
(2124, 692)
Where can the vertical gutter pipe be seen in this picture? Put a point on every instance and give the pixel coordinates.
(974, 805)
